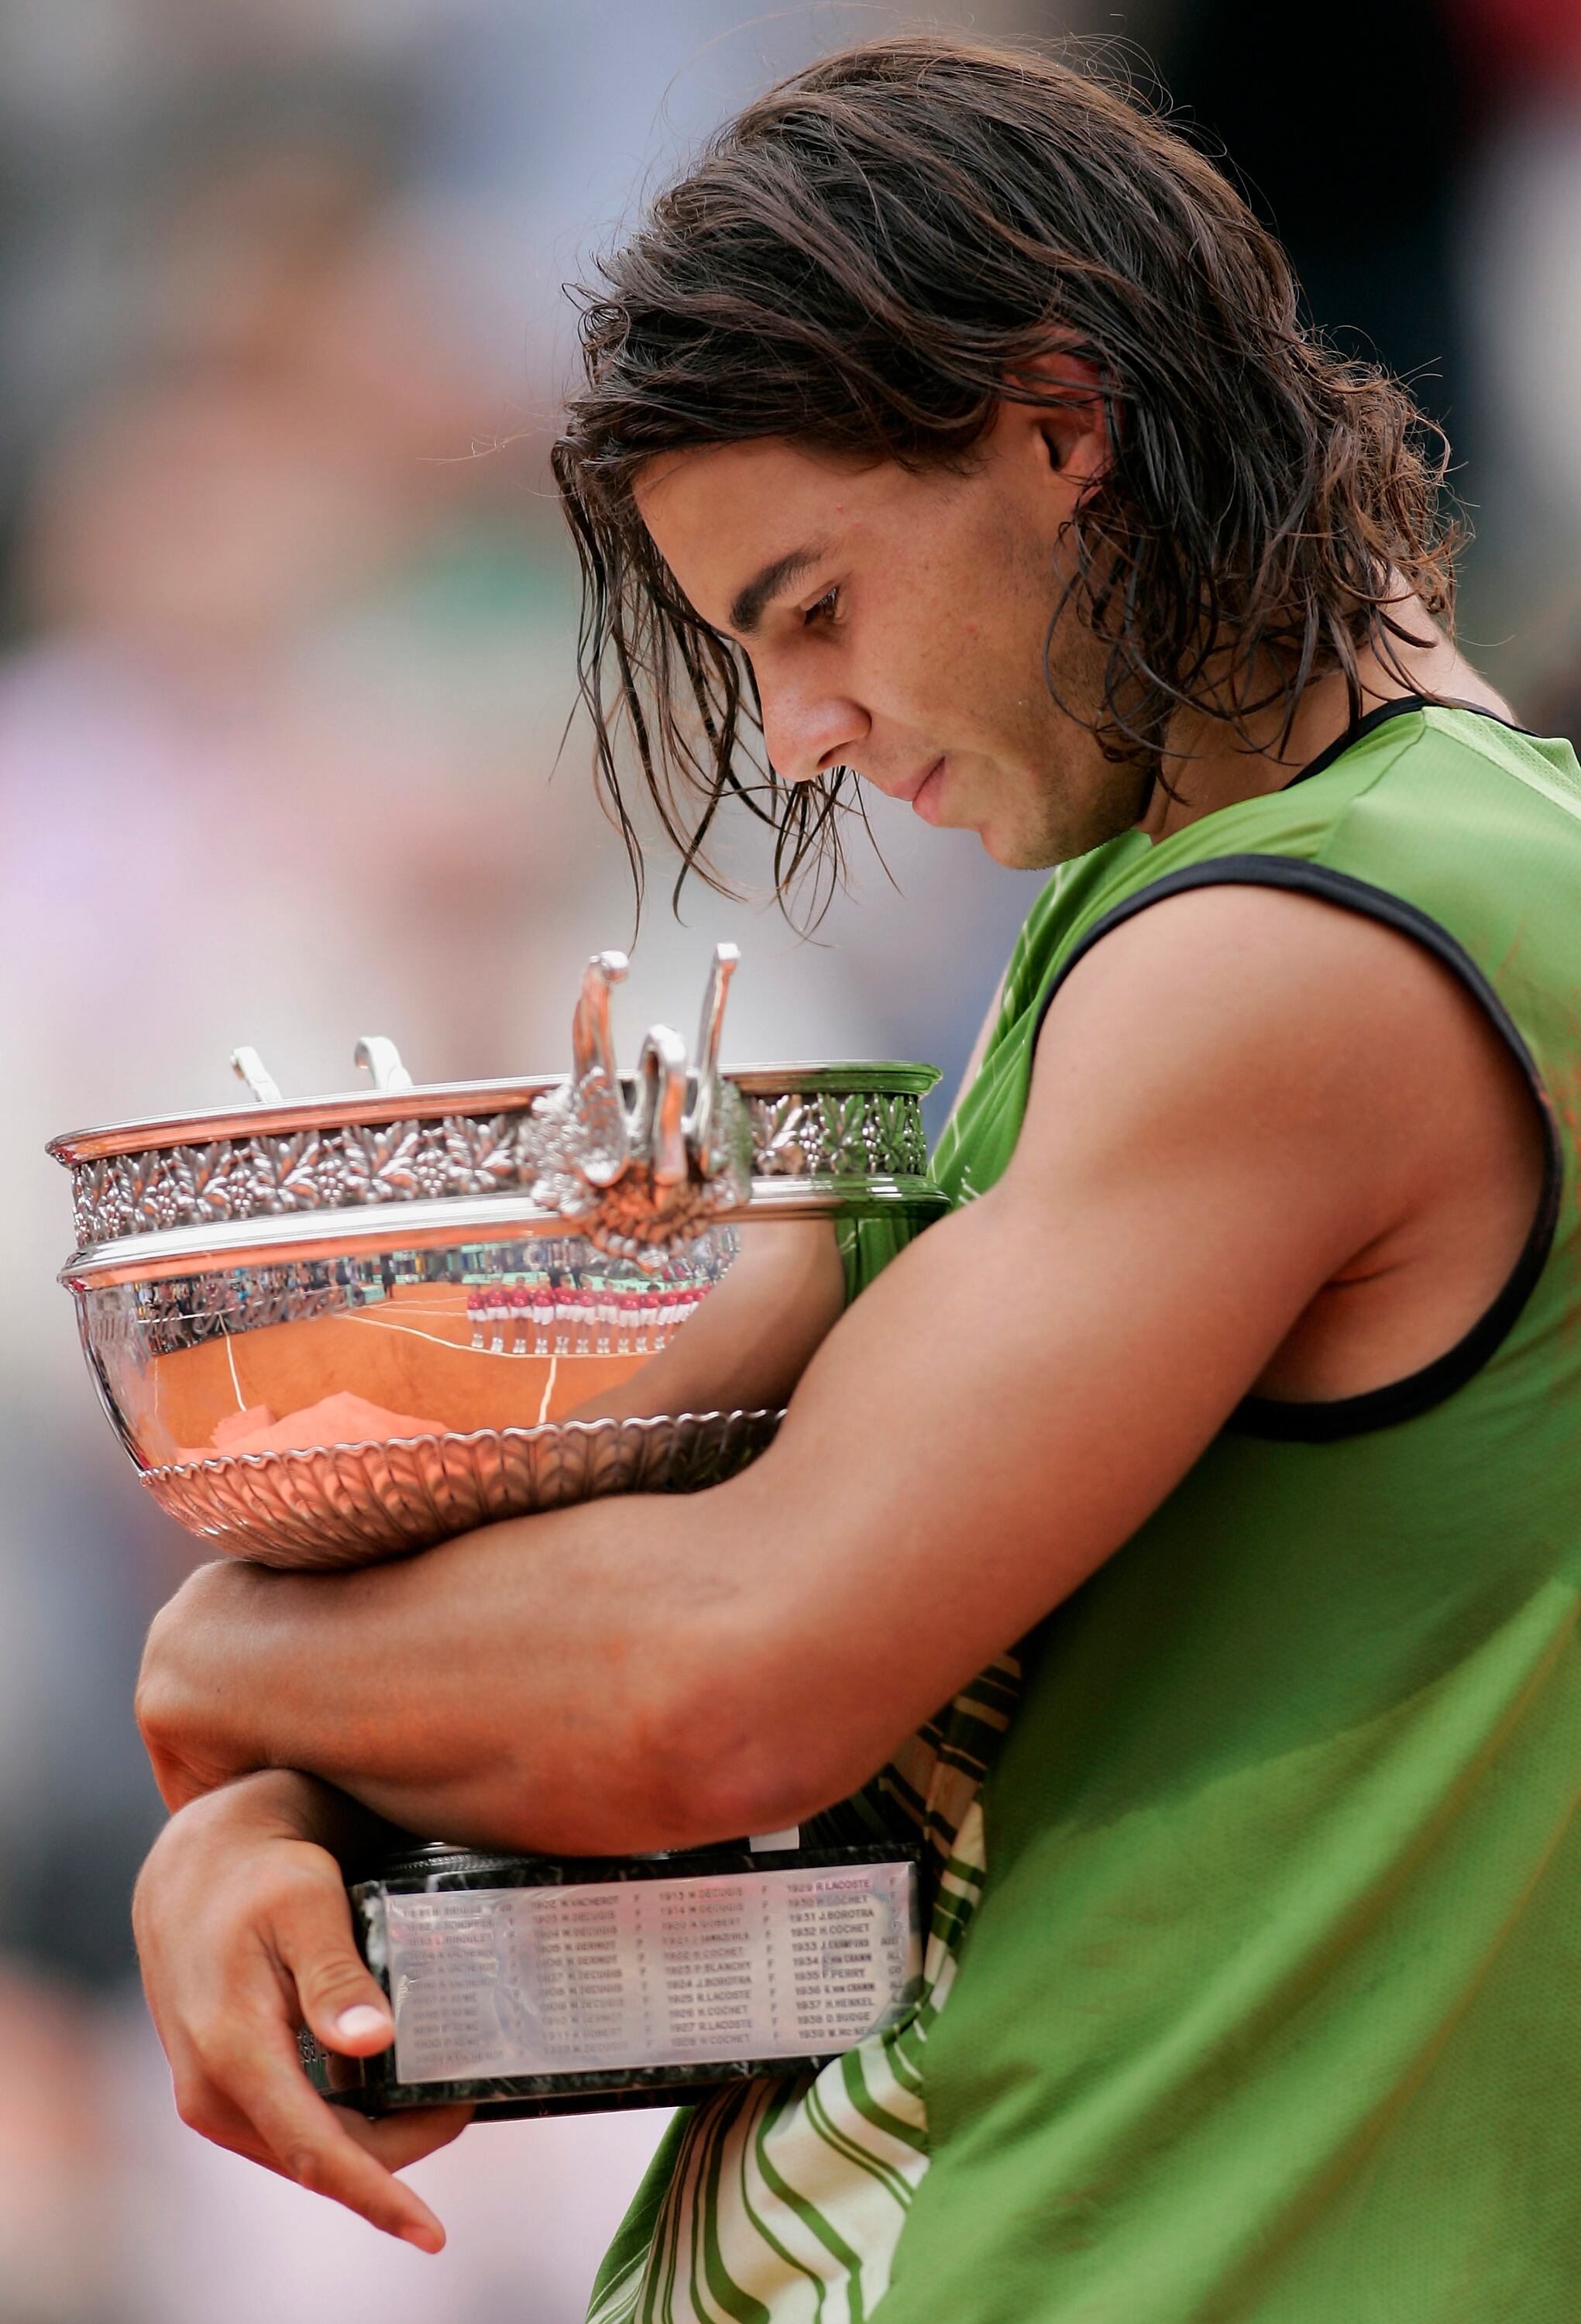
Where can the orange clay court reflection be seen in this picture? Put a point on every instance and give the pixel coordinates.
(423, 1358)
(523, 1340)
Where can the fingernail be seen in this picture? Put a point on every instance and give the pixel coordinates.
(357, 2024)
(424, 2239)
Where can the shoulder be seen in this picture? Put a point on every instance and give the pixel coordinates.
(1269, 1033)
(1303, 969)
(1476, 743)
(1229, 958)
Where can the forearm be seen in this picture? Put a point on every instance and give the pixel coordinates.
(563, 1682)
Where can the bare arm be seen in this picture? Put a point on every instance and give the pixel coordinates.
(756, 1330)
(1238, 1096)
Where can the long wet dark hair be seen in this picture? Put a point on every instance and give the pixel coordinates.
(866, 259)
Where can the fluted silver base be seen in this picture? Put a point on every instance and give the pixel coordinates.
(349, 1504)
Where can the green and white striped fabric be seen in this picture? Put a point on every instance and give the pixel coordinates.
(781, 2201)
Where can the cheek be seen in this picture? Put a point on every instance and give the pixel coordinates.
(954, 645)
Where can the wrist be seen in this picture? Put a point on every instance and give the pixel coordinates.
(279, 1803)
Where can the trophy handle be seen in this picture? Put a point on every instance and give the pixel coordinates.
(379, 1056)
(604, 1147)
(700, 1121)
(640, 1181)
(249, 1067)
(592, 1048)
(661, 1103)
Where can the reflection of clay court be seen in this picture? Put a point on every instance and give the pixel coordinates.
(410, 1360)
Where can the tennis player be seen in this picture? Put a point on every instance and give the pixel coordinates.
(1202, 1496)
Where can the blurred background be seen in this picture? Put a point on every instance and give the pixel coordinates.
(286, 628)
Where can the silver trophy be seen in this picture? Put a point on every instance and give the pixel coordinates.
(343, 1330)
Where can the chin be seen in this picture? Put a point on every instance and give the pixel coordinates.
(1015, 851)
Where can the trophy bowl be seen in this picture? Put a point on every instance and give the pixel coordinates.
(349, 1328)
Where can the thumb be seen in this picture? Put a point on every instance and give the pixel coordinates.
(341, 1999)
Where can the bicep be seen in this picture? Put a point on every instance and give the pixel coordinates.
(1018, 1393)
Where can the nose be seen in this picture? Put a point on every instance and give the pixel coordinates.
(808, 729)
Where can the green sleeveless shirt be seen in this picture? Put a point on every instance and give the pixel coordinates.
(1264, 2007)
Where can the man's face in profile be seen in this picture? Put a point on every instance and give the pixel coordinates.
(896, 622)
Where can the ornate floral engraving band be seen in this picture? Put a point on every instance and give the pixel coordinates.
(332, 1331)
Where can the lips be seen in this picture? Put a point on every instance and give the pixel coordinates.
(927, 794)
(912, 787)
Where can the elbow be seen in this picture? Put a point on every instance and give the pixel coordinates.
(178, 1710)
(747, 1756)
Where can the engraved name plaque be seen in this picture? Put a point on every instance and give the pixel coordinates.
(648, 1973)
(539, 1994)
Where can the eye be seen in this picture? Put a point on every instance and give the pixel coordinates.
(825, 611)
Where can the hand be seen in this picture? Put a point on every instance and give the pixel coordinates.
(244, 1933)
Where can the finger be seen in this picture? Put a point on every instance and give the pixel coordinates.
(313, 2143)
(254, 2069)
(396, 2141)
(177, 1783)
(340, 1997)
(204, 2107)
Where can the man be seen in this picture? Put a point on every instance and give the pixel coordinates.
(956, 415)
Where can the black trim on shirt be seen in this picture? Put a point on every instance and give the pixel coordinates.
(1400, 707)
(1323, 1421)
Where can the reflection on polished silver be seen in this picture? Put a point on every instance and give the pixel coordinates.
(596, 1303)
(368, 1398)
(345, 1504)
(640, 1180)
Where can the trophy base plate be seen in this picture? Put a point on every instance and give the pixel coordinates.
(528, 1985)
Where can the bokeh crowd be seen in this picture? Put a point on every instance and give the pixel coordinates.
(287, 623)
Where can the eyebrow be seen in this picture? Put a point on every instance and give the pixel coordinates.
(760, 591)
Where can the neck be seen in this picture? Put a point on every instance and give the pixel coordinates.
(1208, 768)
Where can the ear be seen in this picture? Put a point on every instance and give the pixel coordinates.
(1059, 400)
